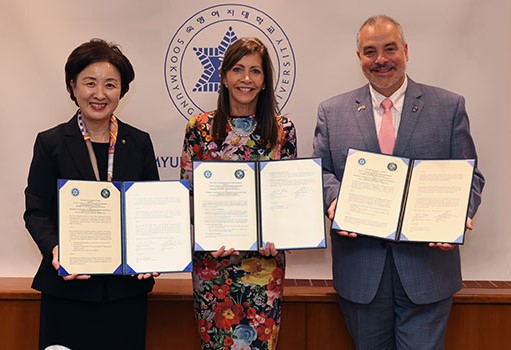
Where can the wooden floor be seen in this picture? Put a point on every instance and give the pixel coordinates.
(311, 320)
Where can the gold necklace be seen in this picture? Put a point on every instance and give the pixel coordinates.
(241, 129)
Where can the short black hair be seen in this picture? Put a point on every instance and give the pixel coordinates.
(98, 50)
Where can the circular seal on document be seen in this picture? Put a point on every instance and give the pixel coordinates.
(208, 174)
(75, 192)
(239, 174)
(392, 166)
(362, 161)
(105, 193)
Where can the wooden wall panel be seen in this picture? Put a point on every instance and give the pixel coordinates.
(311, 318)
(171, 325)
(19, 324)
(326, 328)
(479, 326)
(293, 328)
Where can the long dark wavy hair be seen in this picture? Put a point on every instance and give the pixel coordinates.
(266, 108)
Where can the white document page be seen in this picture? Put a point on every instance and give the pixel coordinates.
(89, 227)
(371, 194)
(157, 226)
(224, 206)
(292, 213)
(436, 209)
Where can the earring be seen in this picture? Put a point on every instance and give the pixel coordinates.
(264, 87)
(226, 86)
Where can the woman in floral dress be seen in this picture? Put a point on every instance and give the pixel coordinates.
(238, 295)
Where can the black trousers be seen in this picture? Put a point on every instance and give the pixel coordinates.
(79, 325)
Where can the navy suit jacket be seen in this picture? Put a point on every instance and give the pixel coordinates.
(60, 152)
(434, 125)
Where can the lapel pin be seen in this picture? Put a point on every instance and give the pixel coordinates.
(361, 108)
(415, 109)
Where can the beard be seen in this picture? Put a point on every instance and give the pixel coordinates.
(389, 81)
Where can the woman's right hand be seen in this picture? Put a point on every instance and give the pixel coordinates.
(56, 264)
(222, 252)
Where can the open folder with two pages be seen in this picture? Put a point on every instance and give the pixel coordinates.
(245, 204)
(124, 227)
(143, 227)
(403, 199)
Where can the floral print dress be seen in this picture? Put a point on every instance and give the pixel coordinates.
(237, 298)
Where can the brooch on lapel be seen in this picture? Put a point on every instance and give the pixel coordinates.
(361, 108)
(415, 109)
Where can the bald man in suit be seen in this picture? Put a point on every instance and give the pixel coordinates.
(393, 295)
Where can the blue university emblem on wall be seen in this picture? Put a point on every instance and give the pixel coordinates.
(211, 60)
(195, 53)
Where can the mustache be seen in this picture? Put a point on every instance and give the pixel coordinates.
(382, 67)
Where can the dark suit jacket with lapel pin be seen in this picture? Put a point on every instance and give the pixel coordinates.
(60, 153)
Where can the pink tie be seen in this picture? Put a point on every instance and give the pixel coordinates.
(386, 137)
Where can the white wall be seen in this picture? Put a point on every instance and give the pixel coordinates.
(461, 45)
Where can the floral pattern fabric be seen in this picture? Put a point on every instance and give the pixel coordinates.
(237, 298)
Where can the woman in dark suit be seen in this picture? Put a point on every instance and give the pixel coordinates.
(82, 311)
